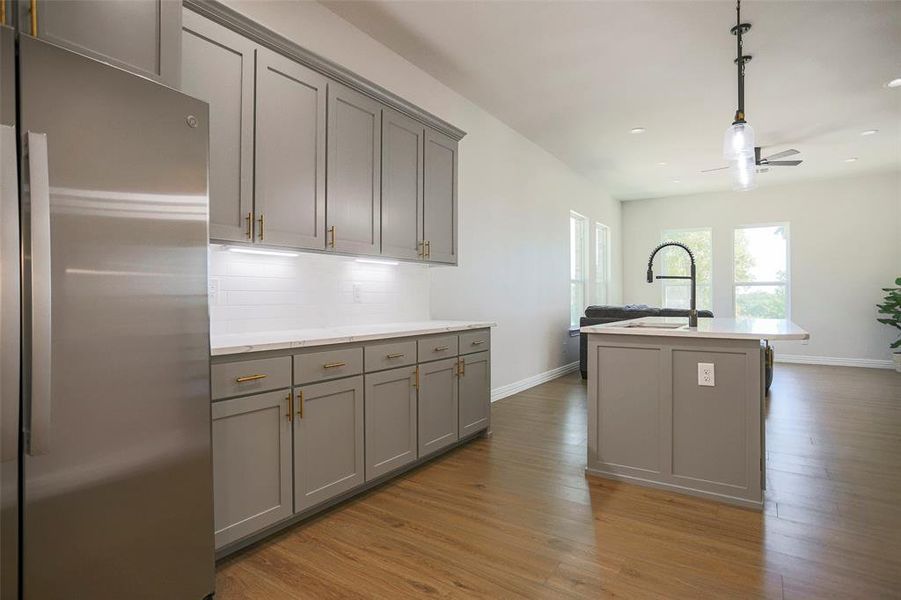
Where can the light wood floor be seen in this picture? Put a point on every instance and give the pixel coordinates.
(513, 516)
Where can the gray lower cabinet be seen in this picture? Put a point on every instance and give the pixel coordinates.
(290, 153)
(402, 164)
(440, 198)
(353, 189)
(218, 68)
(390, 399)
(328, 440)
(142, 36)
(251, 464)
(475, 392)
(438, 405)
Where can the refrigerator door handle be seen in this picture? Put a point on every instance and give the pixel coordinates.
(38, 432)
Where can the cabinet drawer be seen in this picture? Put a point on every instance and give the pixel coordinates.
(476, 341)
(250, 376)
(319, 366)
(379, 357)
(434, 348)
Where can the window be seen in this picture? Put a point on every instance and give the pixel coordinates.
(601, 262)
(674, 261)
(760, 272)
(578, 267)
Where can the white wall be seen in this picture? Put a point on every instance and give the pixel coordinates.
(845, 244)
(514, 202)
(269, 293)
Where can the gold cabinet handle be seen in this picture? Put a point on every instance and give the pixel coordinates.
(246, 378)
(462, 366)
(397, 355)
(440, 348)
(290, 415)
(416, 378)
(428, 249)
(249, 220)
(334, 365)
(421, 249)
(3, 12)
(301, 401)
(34, 17)
(478, 342)
(332, 235)
(261, 225)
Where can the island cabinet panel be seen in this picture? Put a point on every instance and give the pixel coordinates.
(710, 417)
(390, 400)
(218, 68)
(290, 153)
(438, 405)
(475, 392)
(353, 200)
(629, 419)
(402, 163)
(251, 464)
(142, 36)
(440, 198)
(328, 440)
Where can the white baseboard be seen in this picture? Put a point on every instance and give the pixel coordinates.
(800, 359)
(529, 382)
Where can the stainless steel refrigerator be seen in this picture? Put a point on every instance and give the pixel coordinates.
(106, 468)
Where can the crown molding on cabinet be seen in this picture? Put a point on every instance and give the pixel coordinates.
(218, 12)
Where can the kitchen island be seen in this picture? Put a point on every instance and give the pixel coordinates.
(682, 408)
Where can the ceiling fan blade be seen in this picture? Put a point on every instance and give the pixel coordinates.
(716, 169)
(783, 163)
(782, 154)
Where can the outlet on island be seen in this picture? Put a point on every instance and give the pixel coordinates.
(705, 374)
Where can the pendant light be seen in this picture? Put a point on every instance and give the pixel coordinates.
(739, 142)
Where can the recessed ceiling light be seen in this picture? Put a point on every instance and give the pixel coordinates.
(852, 159)
(894, 83)
(869, 132)
(638, 130)
(661, 164)
(377, 261)
(677, 181)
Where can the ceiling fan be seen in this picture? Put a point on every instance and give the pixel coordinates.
(763, 164)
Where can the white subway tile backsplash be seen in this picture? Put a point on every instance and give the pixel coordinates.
(271, 293)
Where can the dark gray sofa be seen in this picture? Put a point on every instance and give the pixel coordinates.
(596, 315)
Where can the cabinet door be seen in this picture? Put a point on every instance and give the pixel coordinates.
(353, 191)
(440, 199)
(390, 420)
(251, 464)
(290, 153)
(437, 405)
(475, 392)
(142, 36)
(402, 148)
(217, 67)
(328, 440)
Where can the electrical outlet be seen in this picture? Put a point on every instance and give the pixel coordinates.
(213, 291)
(358, 293)
(705, 374)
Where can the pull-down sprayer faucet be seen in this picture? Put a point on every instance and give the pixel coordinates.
(692, 313)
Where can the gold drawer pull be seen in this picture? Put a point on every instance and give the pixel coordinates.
(398, 355)
(478, 342)
(301, 400)
(332, 236)
(440, 348)
(290, 415)
(334, 365)
(246, 378)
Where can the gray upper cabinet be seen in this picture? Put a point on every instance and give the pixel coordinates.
(251, 464)
(390, 399)
(142, 36)
(290, 153)
(475, 392)
(353, 201)
(440, 198)
(402, 164)
(218, 67)
(437, 405)
(328, 440)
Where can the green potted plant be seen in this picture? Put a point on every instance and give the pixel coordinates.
(891, 307)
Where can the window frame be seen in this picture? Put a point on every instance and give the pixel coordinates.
(598, 226)
(788, 276)
(665, 283)
(585, 267)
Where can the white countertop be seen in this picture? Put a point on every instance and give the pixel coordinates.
(734, 329)
(239, 343)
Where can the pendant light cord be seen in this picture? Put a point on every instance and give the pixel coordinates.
(739, 60)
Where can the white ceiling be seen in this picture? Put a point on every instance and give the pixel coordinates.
(575, 77)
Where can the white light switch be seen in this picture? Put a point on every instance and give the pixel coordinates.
(213, 291)
(705, 374)
(358, 293)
